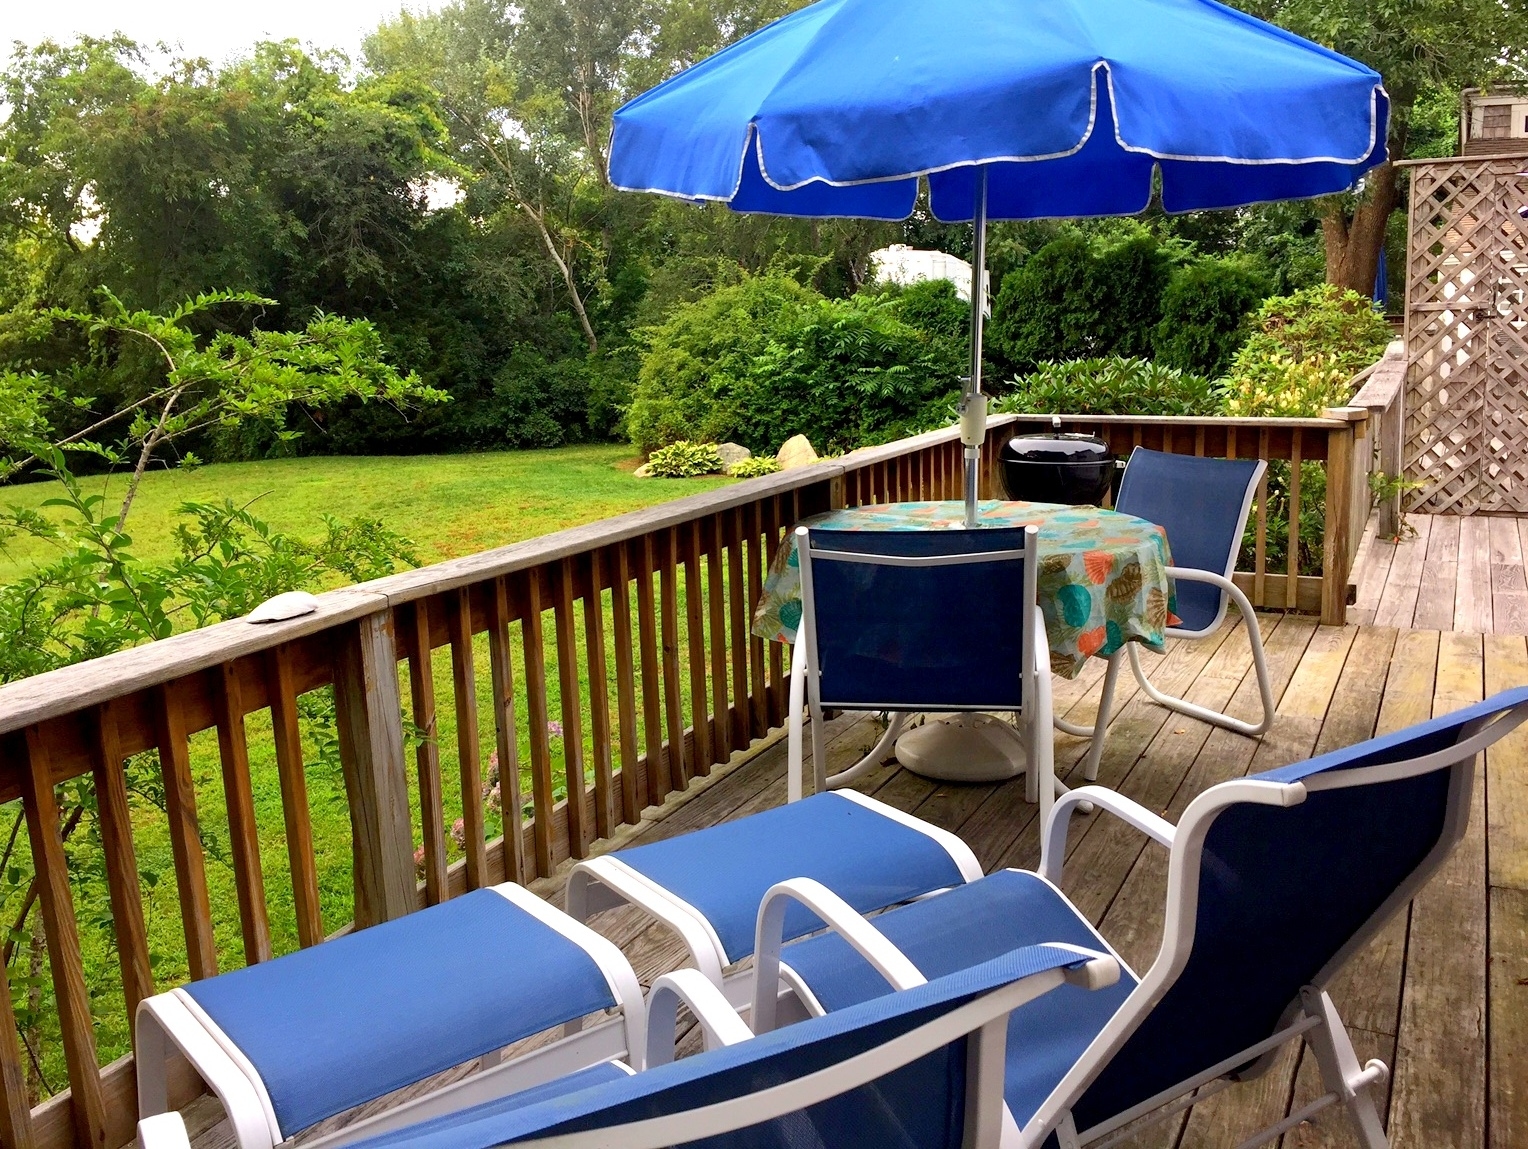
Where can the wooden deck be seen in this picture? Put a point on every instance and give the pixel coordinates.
(1456, 572)
(1442, 996)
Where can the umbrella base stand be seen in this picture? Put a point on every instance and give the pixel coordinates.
(963, 748)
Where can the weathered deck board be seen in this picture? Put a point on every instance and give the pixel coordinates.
(1439, 995)
(1456, 573)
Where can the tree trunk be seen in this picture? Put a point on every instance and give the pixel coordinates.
(1353, 243)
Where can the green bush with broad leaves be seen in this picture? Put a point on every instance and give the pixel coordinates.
(752, 468)
(685, 460)
(1109, 386)
(1205, 313)
(762, 360)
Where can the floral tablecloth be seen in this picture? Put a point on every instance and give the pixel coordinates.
(1103, 577)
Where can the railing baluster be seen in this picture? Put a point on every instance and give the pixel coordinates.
(65, 961)
(15, 1113)
(185, 836)
(432, 809)
(777, 684)
(501, 674)
(294, 796)
(652, 704)
(740, 621)
(572, 718)
(1260, 536)
(678, 775)
(717, 607)
(1292, 583)
(243, 833)
(121, 862)
(758, 701)
(695, 632)
(605, 819)
(536, 714)
(469, 756)
(633, 784)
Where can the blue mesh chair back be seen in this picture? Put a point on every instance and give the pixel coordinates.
(1202, 505)
(947, 637)
(921, 1104)
(1285, 892)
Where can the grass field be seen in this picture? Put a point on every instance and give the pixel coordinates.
(450, 506)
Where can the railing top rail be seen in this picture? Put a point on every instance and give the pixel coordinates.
(1324, 424)
(75, 688)
(1386, 379)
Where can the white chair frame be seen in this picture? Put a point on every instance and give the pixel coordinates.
(1034, 720)
(1230, 592)
(1312, 1016)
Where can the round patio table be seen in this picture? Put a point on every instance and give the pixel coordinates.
(1102, 580)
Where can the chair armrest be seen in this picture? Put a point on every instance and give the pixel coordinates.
(840, 917)
(1053, 848)
(717, 1018)
(163, 1131)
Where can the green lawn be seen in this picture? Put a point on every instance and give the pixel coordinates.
(449, 505)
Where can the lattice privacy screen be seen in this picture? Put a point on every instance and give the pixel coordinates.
(1467, 335)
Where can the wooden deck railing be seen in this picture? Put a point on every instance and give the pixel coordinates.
(1383, 395)
(632, 632)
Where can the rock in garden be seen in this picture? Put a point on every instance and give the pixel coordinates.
(732, 454)
(645, 471)
(796, 452)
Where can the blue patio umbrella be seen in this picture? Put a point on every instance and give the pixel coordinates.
(1010, 109)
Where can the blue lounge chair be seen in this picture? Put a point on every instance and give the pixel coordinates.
(1203, 505)
(290, 1042)
(920, 621)
(919, 1068)
(1274, 881)
(707, 885)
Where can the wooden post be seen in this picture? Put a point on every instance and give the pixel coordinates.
(370, 720)
(1337, 545)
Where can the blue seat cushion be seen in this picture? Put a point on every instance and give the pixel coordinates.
(342, 1023)
(968, 926)
(866, 858)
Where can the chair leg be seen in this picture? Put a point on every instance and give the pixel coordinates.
(819, 751)
(895, 721)
(795, 768)
(1340, 1072)
(1215, 717)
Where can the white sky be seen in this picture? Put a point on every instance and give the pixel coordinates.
(216, 29)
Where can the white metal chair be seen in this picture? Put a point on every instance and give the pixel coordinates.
(920, 621)
(1274, 883)
(1202, 504)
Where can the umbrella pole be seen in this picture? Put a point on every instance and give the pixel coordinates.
(973, 404)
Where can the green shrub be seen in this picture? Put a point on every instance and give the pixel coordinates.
(760, 361)
(1204, 314)
(1304, 350)
(1080, 297)
(1114, 386)
(685, 460)
(752, 468)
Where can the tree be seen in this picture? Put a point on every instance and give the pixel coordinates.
(1417, 46)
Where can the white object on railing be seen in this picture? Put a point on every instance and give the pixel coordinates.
(292, 604)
